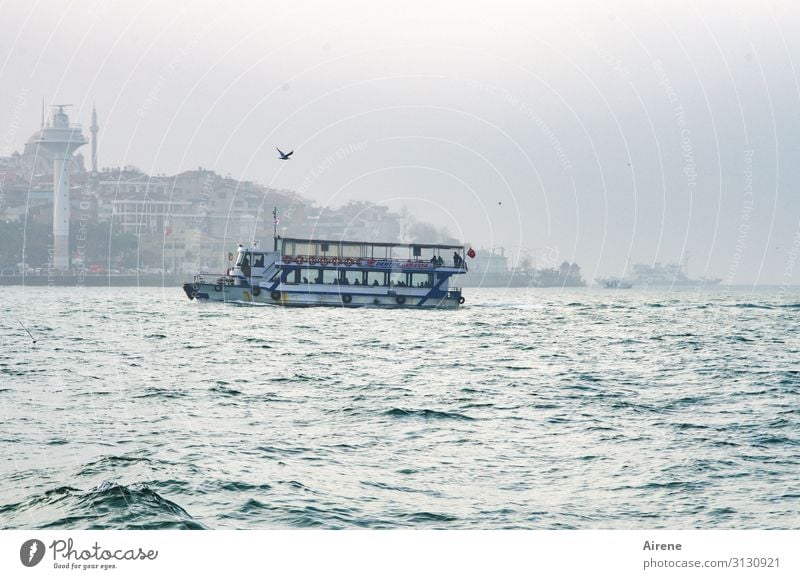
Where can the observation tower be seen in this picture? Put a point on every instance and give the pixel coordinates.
(59, 140)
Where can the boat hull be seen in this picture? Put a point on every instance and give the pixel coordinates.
(349, 297)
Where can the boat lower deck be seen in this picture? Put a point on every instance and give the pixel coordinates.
(308, 295)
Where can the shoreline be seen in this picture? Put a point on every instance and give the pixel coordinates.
(94, 280)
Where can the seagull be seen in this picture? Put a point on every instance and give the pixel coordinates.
(284, 156)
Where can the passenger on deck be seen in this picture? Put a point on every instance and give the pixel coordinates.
(356, 282)
(434, 261)
(345, 281)
(440, 261)
(375, 283)
(456, 259)
(305, 280)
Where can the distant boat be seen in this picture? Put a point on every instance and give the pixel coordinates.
(669, 274)
(491, 269)
(616, 284)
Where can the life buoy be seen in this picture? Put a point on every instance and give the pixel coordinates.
(312, 260)
(217, 288)
(275, 295)
(357, 261)
(287, 258)
(348, 262)
(400, 299)
(346, 298)
(299, 260)
(256, 291)
(461, 300)
(323, 261)
(334, 261)
(192, 294)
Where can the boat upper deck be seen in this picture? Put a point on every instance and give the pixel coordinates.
(373, 255)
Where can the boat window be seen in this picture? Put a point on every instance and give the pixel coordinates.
(305, 249)
(258, 260)
(398, 279)
(240, 258)
(307, 275)
(329, 276)
(350, 250)
(376, 276)
(350, 276)
(421, 279)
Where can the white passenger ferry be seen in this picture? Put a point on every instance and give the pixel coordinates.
(307, 272)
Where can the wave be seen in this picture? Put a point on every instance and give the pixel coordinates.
(427, 517)
(426, 414)
(111, 462)
(106, 506)
(222, 388)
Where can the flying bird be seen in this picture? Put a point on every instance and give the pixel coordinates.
(284, 156)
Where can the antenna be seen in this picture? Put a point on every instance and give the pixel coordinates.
(275, 228)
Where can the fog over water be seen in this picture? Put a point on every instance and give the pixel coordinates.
(600, 133)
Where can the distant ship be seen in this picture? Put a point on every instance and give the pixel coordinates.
(670, 274)
(490, 269)
(615, 283)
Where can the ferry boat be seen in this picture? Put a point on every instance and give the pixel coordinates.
(308, 272)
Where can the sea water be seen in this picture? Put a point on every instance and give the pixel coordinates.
(526, 408)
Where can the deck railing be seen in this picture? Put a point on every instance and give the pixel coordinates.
(215, 278)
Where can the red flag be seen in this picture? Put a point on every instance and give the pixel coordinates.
(471, 253)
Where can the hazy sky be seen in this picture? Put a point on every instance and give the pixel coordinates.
(593, 132)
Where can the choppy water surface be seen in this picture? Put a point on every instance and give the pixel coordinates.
(543, 409)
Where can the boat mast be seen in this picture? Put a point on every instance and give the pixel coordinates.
(275, 229)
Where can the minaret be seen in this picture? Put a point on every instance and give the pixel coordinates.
(94, 128)
(59, 140)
